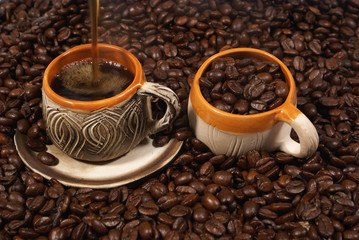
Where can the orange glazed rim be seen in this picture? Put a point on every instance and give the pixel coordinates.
(244, 123)
(106, 52)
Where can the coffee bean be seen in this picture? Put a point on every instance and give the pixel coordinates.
(23, 125)
(268, 214)
(325, 226)
(57, 233)
(163, 229)
(250, 209)
(221, 105)
(79, 231)
(179, 211)
(298, 232)
(200, 215)
(158, 190)
(4, 139)
(254, 89)
(32, 91)
(183, 134)
(148, 208)
(235, 87)
(110, 220)
(215, 227)
(28, 233)
(190, 199)
(229, 98)
(329, 101)
(281, 89)
(36, 145)
(183, 178)
(210, 202)
(312, 233)
(223, 178)
(264, 184)
(315, 47)
(98, 226)
(350, 234)
(145, 230)
(47, 158)
(170, 50)
(173, 235)
(295, 187)
(299, 63)
(42, 224)
(37, 203)
(35, 189)
(265, 76)
(167, 201)
(225, 196)
(114, 234)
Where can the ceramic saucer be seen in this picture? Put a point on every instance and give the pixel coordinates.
(138, 163)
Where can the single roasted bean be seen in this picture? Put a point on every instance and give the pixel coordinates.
(210, 202)
(36, 145)
(183, 178)
(98, 226)
(158, 190)
(250, 209)
(215, 227)
(148, 208)
(295, 187)
(35, 189)
(179, 211)
(264, 184)
(223, 178)
(57, 233)
(23, 125)
(325, 226)
(79, 231)
(145, 230)
(47, 158)
(36, 204)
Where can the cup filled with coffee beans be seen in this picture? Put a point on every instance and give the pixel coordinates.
(243, 99)
(102, 119)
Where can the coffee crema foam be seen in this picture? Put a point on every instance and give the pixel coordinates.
(75, 81)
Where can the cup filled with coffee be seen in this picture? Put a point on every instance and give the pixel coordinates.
(243, 99)
(101, 119)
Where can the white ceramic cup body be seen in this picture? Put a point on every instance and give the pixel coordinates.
(234, 144)
(232, 134)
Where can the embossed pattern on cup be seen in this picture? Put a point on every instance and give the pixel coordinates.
(82, 135)
(108, 128)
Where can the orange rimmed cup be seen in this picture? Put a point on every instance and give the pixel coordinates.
(233, 134)
(104, 129)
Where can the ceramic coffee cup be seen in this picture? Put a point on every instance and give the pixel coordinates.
(108, 128)
(232, 134)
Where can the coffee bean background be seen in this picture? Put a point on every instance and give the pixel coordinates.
(258, 195)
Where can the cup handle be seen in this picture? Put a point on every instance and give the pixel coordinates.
(308, 136)
(169, 97)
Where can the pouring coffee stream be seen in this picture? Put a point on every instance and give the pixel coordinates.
(94, 13)
(93, 78)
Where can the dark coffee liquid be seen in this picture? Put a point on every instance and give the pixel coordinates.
(74, 81)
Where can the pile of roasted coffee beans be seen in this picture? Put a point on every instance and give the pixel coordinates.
(200, 195)
(244, 86)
